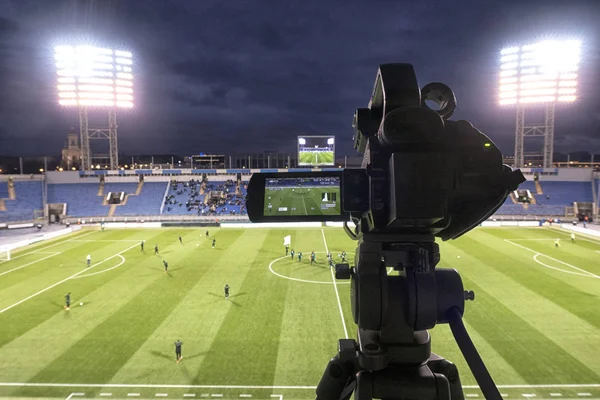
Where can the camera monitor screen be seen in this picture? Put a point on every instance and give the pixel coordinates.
(316, 150)
(306, 196)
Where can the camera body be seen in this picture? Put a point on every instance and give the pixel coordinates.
(421, 172)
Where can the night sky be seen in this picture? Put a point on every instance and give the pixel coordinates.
(236, 76)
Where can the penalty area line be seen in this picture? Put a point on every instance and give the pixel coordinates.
(66, 279)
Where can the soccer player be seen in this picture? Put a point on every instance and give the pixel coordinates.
(572, 237)
(312, 258)
(142, 245)
(156, 249)
(343, 256)
(214, 242)
(226, 291)
(102, 226)
(67, 301)
(292, 254)
(300, 256)
(557, 243)
(206, 233)
(89, 260)
(178, 355)
(166, 264)
(180, 240)
(287, 249)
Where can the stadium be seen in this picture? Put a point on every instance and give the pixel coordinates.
(149, 280)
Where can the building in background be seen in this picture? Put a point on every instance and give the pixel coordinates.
(71, 153)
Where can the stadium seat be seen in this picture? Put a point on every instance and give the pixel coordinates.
(28, 201)
(148, 202)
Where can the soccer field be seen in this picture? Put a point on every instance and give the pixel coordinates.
(302, 201)
(535, 321)
(316, 158)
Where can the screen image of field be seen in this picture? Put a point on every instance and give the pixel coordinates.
(302, 196)
(316, 150)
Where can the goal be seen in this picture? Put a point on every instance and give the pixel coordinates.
(4, 254)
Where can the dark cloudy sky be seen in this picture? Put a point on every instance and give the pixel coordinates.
(235, 76)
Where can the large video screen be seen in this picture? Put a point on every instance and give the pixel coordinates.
(316, 150)
(309, 196)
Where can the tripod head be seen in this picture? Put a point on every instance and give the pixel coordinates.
(425, 177)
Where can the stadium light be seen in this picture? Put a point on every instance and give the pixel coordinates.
(94, 76)
(534, 75)
(97, 78)
(550, 64)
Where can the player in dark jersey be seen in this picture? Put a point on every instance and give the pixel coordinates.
(292, 254)
(300, 256)
(67, 301)
(226, 291)
(287, 250)
(343, 256)
(206, 233)
(166, 264)
(180, 240)
(329, 259)
(178, 355)
(312, 258)
(214, 242)
(155, 249)
(142, 245)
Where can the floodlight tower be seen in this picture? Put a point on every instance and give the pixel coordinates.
(96, 78)
(540, 74)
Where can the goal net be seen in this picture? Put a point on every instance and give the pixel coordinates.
(4, 254)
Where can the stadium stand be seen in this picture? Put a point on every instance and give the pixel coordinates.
(210, 198)
(3, 190)
(565, 193)
(82, 198)
(148, 202)
(28, 200)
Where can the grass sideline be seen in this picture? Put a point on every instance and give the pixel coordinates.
(534, 323)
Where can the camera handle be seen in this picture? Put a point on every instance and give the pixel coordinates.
(393, 359)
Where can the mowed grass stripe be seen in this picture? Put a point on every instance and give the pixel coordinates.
(37, 276)
(533, 307)
(581, 253)
(536, 358)
(575, 294)
(311, 325)
(25, 316)
(443, 344)
(198, 317)
(245, 347)
(98, 356)
(63, 328)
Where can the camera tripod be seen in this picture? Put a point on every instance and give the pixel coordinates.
(392, 358)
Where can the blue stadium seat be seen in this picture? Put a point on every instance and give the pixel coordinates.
(82, 199)
(29, 199)
(148, 202)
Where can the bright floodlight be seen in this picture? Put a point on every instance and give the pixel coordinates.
(93, 76)
(330, 140)
(544, 72)
(301, 141)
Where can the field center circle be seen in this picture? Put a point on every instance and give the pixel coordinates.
(302, 280)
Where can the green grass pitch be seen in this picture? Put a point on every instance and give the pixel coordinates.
(301, 201)
(316, 158)
(535, 321)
